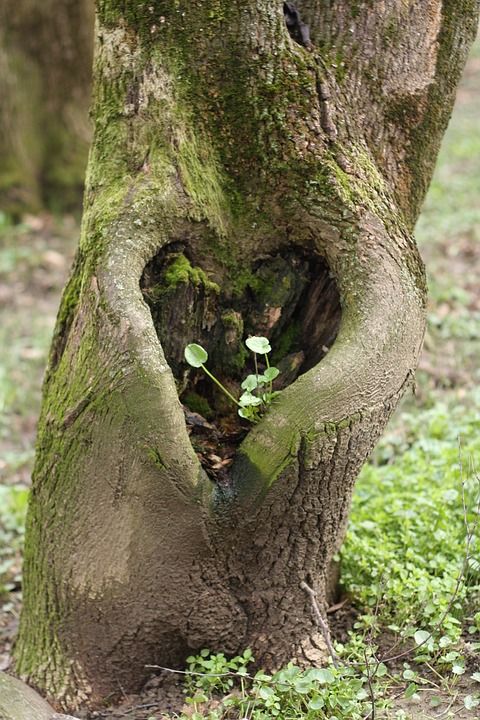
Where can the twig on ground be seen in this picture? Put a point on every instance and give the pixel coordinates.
(371, 714)
(191, 672)
(320, 621)
(442, 714)
(134, 708)
(338, 606)
(120, 686)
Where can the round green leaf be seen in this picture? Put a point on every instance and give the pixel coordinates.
(258, 345)
(195, 355)
(471, 702)
(250, 383)
(247, 399)
(421, 636)
(323, 676)
(381, 670)
(316, 703)
(411, 690)
(271, 373)
(303, 686)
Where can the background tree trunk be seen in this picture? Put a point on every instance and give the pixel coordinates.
(45, 78)
(238, 182)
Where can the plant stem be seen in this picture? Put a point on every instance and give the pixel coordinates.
(268, 368)
(224, 389)
(256, 372)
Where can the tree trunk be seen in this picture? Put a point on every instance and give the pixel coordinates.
(20, 702)
(45, 78)
(238, 182)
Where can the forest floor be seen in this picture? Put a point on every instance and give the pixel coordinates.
(423, 438)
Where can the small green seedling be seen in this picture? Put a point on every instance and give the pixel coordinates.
(258, 388)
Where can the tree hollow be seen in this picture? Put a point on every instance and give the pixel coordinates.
(289, 296)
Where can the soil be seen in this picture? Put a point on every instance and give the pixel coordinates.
(214, 444)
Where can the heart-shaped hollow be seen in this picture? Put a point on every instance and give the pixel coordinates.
(290, 297)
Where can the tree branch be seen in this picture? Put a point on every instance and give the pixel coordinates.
(398, 66)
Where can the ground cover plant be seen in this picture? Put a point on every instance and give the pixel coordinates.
(408, 540)
(409, 559)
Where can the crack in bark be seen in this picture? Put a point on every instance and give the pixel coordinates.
(326, 117)
(75, 412)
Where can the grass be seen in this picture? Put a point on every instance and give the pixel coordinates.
(412, 550)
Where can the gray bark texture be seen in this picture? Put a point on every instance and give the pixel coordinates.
(20, 702)
(238, 181)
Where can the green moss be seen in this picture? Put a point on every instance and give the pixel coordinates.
(234, 355)
(156, 458)
(243, 279)
(198, 404)
(238, 361)
(392, 32)
(363, 188)
(267, 467)
(354, 9)
(233, 319)
(339, 66)
(203, 180)
(286, 342)
(178, 272)
(142, 15)
(181, 271)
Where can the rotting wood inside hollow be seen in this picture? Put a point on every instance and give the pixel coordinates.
(290, 298)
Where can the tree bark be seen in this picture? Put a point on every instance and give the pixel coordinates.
(20, 702)
(226, 156)
(45, 79)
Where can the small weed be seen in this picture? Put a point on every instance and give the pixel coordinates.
(257, 388)
(218, 689)
(412, 528)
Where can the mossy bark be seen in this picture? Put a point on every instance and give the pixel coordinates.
(223, 144)
(45, 80)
